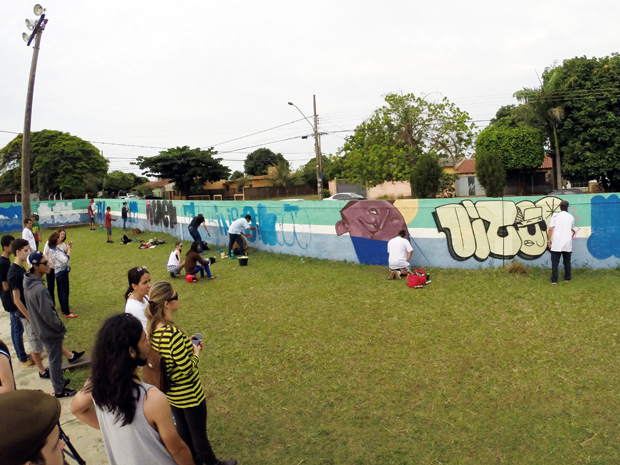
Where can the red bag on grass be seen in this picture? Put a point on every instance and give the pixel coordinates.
(418, 279)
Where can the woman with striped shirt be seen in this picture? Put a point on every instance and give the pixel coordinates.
(186, 396)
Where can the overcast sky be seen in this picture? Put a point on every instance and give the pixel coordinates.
(165, 74)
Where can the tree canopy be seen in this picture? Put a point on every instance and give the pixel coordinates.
(60, 162)
(589, 134)
(188, 168)
(426, 176)
(258, 162)
(490, 173)
(118, 181)
(387, 146)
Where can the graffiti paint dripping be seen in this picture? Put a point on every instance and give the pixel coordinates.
(604, 242)
(496, 228)
(161, 212)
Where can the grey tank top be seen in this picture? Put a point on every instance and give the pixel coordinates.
(136, 443)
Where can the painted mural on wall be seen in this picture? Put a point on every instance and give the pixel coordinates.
(372, 223)
(604, 242)
(447, 233)
(496, 228)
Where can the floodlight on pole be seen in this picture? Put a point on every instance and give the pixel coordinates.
(317, 147)
(37, 27)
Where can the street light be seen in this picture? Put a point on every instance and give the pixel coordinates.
(36, 26)
(317, 146)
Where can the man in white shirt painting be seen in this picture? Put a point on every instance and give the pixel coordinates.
(560, 241)
(400, 251)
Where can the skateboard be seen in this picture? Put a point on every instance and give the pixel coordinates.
(85, 360)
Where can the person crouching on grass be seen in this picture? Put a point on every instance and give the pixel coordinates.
(174, 261)
(193, 262)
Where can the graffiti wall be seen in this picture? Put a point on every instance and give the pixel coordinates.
(446, 233)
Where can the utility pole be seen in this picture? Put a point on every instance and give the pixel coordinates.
(317, 149)
(37, 31)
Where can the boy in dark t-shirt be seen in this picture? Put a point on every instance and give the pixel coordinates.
(17, 329)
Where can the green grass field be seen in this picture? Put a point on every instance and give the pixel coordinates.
(319, 362)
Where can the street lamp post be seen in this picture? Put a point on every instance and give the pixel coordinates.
(37, 27)
(317, 146)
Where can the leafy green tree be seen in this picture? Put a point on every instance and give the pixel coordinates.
(547, 102)
(281, 176)
(387, 146)
(520, 148)
(447, 184)
(235, 175)
(426, 176)
(188, 168)
(60, 162)
(258, 162)
(490, 173)
(143, 190)
(118, 181)
(589, 135)
(307, 173)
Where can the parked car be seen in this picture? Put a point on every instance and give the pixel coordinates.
(152, 197)
(566, 192)
(129, 197)
(346, 196)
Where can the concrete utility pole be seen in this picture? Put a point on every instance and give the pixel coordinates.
(317, 146)
(317, 149)
(37, 31)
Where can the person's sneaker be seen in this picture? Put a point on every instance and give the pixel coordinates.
(66, 392)
(45, 374)
(71, 315)
(172, 275)
(28, 363)
(569, 279)
(76, 356)
(553, 282)
(67, 381)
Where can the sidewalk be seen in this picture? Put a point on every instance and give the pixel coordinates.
(86, 440)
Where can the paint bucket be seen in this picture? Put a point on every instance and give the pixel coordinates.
(243, 260)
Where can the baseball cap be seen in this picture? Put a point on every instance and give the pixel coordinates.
(35, 258)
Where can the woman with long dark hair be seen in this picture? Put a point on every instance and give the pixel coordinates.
(59, 256)
(134, 417)
(136, 296)
(186, 395)
(194, 262)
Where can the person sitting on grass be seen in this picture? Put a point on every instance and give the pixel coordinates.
(136, 295)
(194, 262)
(108, 223)
(174, 261)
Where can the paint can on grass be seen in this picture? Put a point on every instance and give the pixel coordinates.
(243, 260)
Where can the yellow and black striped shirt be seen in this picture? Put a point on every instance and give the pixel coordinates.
(181, 366)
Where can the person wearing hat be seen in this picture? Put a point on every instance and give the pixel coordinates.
(29, 431)
(236, 230)
(134, 417)
(46, 323)
(91, 214)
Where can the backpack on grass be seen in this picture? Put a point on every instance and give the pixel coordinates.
(418, 279)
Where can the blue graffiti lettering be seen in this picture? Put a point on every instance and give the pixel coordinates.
(604, 241)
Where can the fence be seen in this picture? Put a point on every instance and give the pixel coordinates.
(273, 192)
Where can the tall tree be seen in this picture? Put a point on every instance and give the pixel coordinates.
(520, 148)
(426, 176)
(387, 146)
(188, 168)
(60, 162)
(490, 173)
(236, 175)
(589, 135)
(281, 176)
(118, 181)
(258, 162)
(547, 101)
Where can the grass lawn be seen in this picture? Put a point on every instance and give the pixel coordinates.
(319, 362)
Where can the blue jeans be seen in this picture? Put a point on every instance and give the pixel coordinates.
(202, 270)
(124, 224)
(196, 236)
(555, 261)
(17, 336)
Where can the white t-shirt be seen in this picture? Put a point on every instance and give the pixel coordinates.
(137, 309)
(399, 248)
(238, 226)
(173, 259)
(27, 234)
(563, 224)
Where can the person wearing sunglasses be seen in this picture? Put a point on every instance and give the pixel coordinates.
(186, 395)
